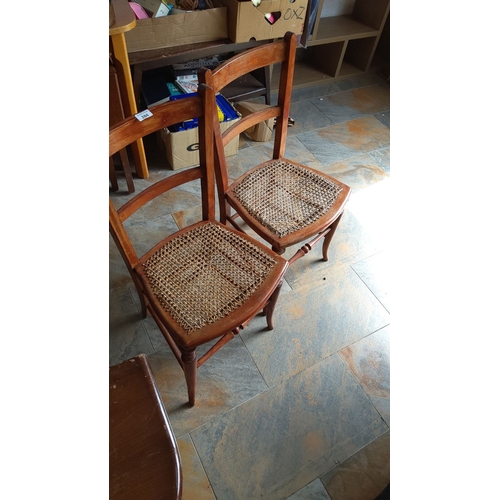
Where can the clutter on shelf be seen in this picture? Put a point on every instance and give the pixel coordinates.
(175, 79)
(145, 9)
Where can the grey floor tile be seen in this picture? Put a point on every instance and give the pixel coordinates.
(313, 491)
(361, 81)
(382, 158)
(155, 336)
(375, 271)
(127, 335)
(384, 118)
(316, 91)
(336, 113)
(280, 441)
(119, 277)
(306, 117)
(313, 322)
(351, 104)
(357, 172)
(309, 92)
(224, 381)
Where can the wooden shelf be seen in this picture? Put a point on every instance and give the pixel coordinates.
(244, 88)
(307, 75)
(342, 43)
(349, 70)
(340, 28)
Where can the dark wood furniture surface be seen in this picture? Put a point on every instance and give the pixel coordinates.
(144, 461)
(206, 281)
(284, 202)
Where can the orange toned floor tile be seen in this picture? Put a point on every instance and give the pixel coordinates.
(345, 140)
(368, 360)
(195, 484)
(362, 476)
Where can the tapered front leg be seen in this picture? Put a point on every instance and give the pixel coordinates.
(269, 309)
(140, 293)
(189, 365)
(329, 236)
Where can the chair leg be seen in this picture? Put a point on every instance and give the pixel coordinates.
(126, 170)
(269, 309)
(190, 367)
(278, 251)
(225, 212)
(144, 306)
(329, 236)
(112, 175)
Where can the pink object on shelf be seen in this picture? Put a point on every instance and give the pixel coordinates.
(139, 11)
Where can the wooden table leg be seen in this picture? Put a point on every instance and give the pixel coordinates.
(126, 85)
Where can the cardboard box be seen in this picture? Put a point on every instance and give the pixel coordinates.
(246, 22)
(182, 29)
(181, 148)
(260, 132)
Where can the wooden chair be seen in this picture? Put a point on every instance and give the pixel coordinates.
(282, 201)
(205, 281)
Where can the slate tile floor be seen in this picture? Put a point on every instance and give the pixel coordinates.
(301, 412)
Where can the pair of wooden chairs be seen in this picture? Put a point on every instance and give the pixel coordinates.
(209, 280)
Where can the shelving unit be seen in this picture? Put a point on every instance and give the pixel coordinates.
(342, 41)
(154, 62)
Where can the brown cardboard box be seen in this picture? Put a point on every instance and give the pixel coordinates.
(246, 22)
(181, 148)
(260, 132)
(181, 29)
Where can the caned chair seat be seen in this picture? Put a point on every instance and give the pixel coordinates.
(285, 197)
(204, 274)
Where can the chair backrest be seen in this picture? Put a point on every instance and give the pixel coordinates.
(282, 53)
(130, 130)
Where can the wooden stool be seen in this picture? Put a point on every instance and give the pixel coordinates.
(116, 114)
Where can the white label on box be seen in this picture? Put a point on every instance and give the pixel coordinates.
(143, 115)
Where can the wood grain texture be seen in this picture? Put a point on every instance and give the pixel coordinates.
(144, 460)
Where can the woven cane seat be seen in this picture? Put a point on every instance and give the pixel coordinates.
(186, 271)
(285, 197)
